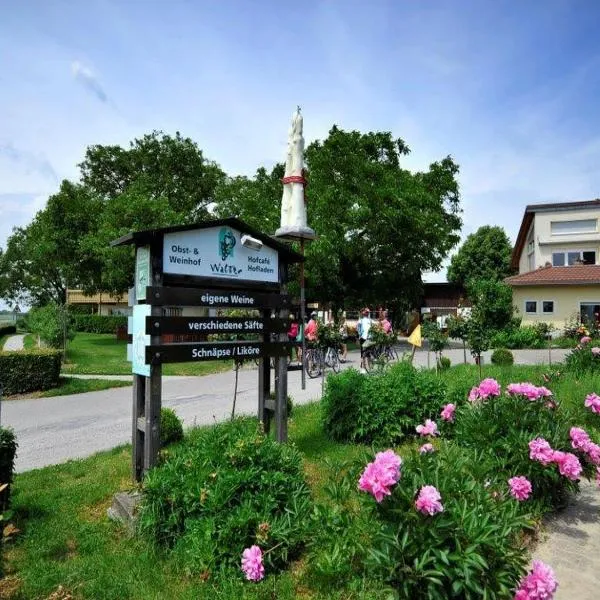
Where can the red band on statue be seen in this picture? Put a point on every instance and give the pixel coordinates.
(293, 179)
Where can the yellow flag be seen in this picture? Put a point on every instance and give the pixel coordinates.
(415, 337)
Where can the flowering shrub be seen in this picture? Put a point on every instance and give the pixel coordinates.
(430, 428)
(520, 488)
(384, 408)
(429, 500)
(520, 432)
(448, 411)
(223, 489)
(380, 475)
(488, 388)
(426, 448)
(583, 358)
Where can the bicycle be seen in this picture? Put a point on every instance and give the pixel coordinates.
(314, 361)
(376, 356)
(332, 359)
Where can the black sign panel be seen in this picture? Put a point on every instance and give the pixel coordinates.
(195, 325)
(176, 296)
(174, 353)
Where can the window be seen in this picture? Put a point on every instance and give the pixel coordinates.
(531, 306)
(573, 257)
(548, 306)
(590, 312)
(571, 227)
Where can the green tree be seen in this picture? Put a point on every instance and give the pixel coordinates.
(47, 256)
(52, 323)
(492, 300)
(257, 200)
(379, 226)
(484, 255)
(158, 166)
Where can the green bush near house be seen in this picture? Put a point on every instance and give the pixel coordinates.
(502, 357)
(383, 408)
(98, 323)
(529, 336)
(8, 452)
(240, 488)
(52, 323)
(171, 427)
(29, 370)
(444, 363)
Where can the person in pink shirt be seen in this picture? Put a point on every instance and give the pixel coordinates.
(311, 328)
(385, 323)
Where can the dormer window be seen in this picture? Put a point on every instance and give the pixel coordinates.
(573, 257)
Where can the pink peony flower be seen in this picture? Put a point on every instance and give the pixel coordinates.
(520, 487)
(568, 464)
(579, 438)
(539, 584)
(593, 453)
(391, 461)
(596, 351)
(474, 394)
(586, 339)
(430, 428)
(426, 448)
(252, 564)
(448, 412)
(530, 391)
(543, 392)
(540, 450)
(489, 387)
(380, 475)
(428, 500)
(592, 401)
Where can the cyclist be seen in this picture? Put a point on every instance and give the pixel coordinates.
(311, 328)
(363, 328)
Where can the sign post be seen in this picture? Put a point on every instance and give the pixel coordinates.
(217, 264)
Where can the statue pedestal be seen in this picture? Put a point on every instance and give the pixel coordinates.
(293, 232)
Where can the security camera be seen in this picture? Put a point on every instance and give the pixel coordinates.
(250, 242)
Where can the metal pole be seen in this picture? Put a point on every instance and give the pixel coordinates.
(1, 392)
(302, 313)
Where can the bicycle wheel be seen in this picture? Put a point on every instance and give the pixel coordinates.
(312, 363)
(368, 360)
(329, 357)
(334, 360)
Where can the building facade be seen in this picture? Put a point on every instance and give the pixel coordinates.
(557, 255)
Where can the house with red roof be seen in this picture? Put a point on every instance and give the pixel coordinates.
(557, 255)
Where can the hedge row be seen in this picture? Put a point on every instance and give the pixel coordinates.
(8, 451)
(98, 323)
(29, 371)
(7, 330)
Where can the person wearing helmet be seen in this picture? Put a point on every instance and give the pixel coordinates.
(311, 328)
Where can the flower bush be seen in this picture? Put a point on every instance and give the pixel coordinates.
(382, 409)
(223, 489)
(583, 358)
(539, 584)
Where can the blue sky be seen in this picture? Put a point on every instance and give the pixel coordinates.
(509, 89)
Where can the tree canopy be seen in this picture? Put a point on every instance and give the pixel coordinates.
(379, 225)
(485, 254)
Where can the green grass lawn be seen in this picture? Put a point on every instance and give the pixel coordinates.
(66, 538)
(102, 354)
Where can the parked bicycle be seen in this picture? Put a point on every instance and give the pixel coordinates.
(317, 359)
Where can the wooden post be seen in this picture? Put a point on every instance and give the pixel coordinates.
(264, 383)
(281, 363)
(139, 407)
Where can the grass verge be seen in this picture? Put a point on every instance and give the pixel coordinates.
(74, 385)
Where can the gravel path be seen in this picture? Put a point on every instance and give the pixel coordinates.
(14, 342)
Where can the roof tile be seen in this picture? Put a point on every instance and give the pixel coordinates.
(573, 275)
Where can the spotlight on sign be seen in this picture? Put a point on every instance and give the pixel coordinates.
(250, 242)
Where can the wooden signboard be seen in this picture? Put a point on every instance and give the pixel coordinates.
(201, 351)
(218, 264)
(212, 325)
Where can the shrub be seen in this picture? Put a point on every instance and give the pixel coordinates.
(444, 363)
(52, 323)
(501, 428)
(29, 370)
(171, 427)
(22, 324)
(502, 357)
(222, 490)
(8, 452)
(382, 408)
(7, 330)
(583, 358)
(98, 323)
(469, 550)
(530, 336)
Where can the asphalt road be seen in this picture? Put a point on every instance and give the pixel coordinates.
(53, 430)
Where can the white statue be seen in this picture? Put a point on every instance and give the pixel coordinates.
(293, 206)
